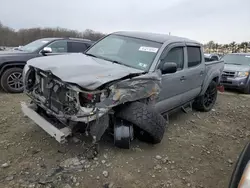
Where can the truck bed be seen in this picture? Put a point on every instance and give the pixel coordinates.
(213, 69)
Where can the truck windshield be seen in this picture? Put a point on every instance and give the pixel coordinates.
(238, 59)
(132, 52)
(35, 45)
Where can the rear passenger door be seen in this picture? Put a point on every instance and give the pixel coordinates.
(194, 73)
(77, 47)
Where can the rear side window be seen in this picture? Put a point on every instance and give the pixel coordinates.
(194, 56)
(75, 47)
(59, 46)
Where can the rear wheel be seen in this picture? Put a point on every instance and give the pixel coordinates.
(11, 80)
(150, 125)
(206, 102)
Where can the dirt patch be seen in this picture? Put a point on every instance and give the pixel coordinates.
(198, 150)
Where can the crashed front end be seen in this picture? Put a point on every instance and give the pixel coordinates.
(72, 104)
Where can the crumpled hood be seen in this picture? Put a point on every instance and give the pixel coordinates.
(85, 71)
(235, 68)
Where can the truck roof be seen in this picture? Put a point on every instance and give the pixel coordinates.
(157, 37)
(70, 38)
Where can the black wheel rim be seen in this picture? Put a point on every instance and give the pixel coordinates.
(15, 81)
(210, 96)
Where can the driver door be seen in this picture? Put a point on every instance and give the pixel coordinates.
(172, 84)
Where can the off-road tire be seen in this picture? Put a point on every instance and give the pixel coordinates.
(199, 103)
(146, 119)
(4, 78)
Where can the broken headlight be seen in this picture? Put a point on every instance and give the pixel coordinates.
(89, 99)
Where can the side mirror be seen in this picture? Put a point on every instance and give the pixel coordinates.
(169, 67)
(46, 50)
(241, 175)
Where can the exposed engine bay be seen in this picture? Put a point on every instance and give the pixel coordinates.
(70, 103)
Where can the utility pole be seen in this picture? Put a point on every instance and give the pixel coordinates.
(169, 33)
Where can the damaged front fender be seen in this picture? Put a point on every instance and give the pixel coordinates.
(137, 88)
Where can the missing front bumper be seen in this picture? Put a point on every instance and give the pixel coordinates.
(59, 134)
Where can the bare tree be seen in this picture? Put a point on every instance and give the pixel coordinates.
(9, 37)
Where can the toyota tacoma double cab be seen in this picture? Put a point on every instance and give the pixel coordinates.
(13, 61)
(124, 83)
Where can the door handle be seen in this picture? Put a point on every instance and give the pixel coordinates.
(182, 78)
(201, 73)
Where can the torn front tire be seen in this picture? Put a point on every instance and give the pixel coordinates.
(149, 123)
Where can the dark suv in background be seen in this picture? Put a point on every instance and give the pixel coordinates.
(13, 61)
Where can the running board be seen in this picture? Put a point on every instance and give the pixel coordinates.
(187, 108)
(59, 134)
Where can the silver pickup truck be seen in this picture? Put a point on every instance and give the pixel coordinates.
(124, 82)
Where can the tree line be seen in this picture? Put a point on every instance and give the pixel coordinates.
(233, 47)
(11, 38)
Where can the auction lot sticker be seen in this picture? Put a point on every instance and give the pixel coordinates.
(148, 49)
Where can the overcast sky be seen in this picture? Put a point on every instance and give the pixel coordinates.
(203, 20)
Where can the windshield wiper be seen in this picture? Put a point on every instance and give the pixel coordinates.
(91, 55)
(118, 62)
(18, 49)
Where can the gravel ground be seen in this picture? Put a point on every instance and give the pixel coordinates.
(198, 150)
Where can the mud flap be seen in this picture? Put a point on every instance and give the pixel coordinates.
(220, 88)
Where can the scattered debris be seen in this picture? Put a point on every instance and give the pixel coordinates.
(105, 174)
(75, 140)
(105, 156)
(230, 161)
(72, 163)
(108, 185)
(158, 157)
(158, 167)
(9, 178)
(67, 186)
(164, 160)
(5, 165)
(103, 161)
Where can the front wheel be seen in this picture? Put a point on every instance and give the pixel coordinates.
(206, 102)
(247, 89)
(149, 124)
(11, 80)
